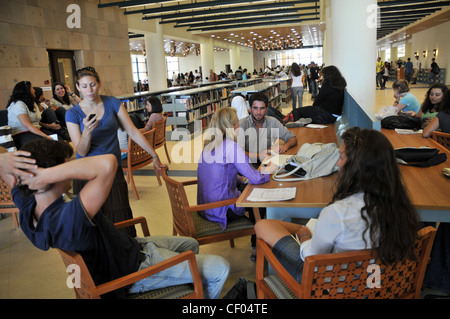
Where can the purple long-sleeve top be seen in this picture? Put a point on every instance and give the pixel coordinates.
(217, 179)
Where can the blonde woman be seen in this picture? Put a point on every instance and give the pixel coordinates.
(221, 166)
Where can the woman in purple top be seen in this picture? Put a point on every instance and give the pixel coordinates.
(154, 108)
(220, 166)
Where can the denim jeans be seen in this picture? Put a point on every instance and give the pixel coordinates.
(213, 269)
(297, 93)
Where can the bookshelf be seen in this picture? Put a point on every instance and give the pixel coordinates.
(271, 89)
(285, 89)
(135, 102)
(192, 109)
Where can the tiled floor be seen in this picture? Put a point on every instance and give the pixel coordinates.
(28, 273)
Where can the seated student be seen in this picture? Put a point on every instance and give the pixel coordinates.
(239, 103)
(437, 275)
(328, 103)
(441, 120)
(405, 101)
(433, 103)
(48, 221)
(154, 108)
(370, 208)
(221, 166)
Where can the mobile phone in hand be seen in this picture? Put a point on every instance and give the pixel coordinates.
(91, 116)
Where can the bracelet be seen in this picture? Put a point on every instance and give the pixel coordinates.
(302, 235)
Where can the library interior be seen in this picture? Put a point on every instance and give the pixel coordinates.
(196, 58)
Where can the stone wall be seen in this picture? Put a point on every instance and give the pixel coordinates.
(28, 28)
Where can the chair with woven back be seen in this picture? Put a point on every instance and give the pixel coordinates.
(86, 289)
(347, 275)
(442, 138)
(188, 222)
(7, 205)
(160, 136)
(137, 158)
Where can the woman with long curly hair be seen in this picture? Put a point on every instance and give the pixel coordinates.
(370, 208)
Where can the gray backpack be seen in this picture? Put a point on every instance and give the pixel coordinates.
(312, 161)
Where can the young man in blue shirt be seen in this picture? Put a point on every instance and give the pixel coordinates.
(50, 222)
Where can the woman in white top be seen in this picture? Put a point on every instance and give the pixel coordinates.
(297, 86)
(240, 105)
(63, 97)
(23, 115)
(370, 208)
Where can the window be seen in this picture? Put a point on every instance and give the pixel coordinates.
(172, 66)
(301, 56)
(139, 68)
(401, 51)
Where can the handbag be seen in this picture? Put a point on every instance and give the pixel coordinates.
(6, 140)
(419, 156)
(402, 121)
(242, 289)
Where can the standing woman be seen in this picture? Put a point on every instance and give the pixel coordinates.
(98, 135)
(23, 115)
(297, 86)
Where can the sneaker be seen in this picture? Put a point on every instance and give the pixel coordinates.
(253, 255)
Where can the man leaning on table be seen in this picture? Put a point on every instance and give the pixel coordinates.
(259, 133)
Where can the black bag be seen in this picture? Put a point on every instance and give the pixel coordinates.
(242, 289)
(420, 156)
(402, 121)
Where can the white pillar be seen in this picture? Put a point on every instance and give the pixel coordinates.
(235, 58)
(207, 57)
(353, 47)
(156, 59)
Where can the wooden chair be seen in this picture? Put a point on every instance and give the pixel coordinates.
(6, 203)
(344, 275)
(442, 138)
(88, 290)
(160, 136)
(138, 158)
(188, 222)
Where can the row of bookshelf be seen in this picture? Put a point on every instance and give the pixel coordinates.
(193, 105)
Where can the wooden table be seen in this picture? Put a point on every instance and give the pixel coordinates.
(428, 188)
(311, 195)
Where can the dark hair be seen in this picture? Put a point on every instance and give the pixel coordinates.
(86, 71)
(446, 105)
(65, 98)
(295, 69)
(371, 168)
(333, 76)
(37, 93)
(401, 85)
(47, 153)
(155, 103)
(427, 106)
(22, 92)
(258, 96)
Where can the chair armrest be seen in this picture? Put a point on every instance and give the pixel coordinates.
(191, 182)
(202, 207)
(264, 252)
(134, 221)
(144, 273)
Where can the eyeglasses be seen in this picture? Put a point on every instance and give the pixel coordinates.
(87, 68)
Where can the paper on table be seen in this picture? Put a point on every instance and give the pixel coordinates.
(272, 194)
(406, 131)
(277, 160)
(316, 126)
